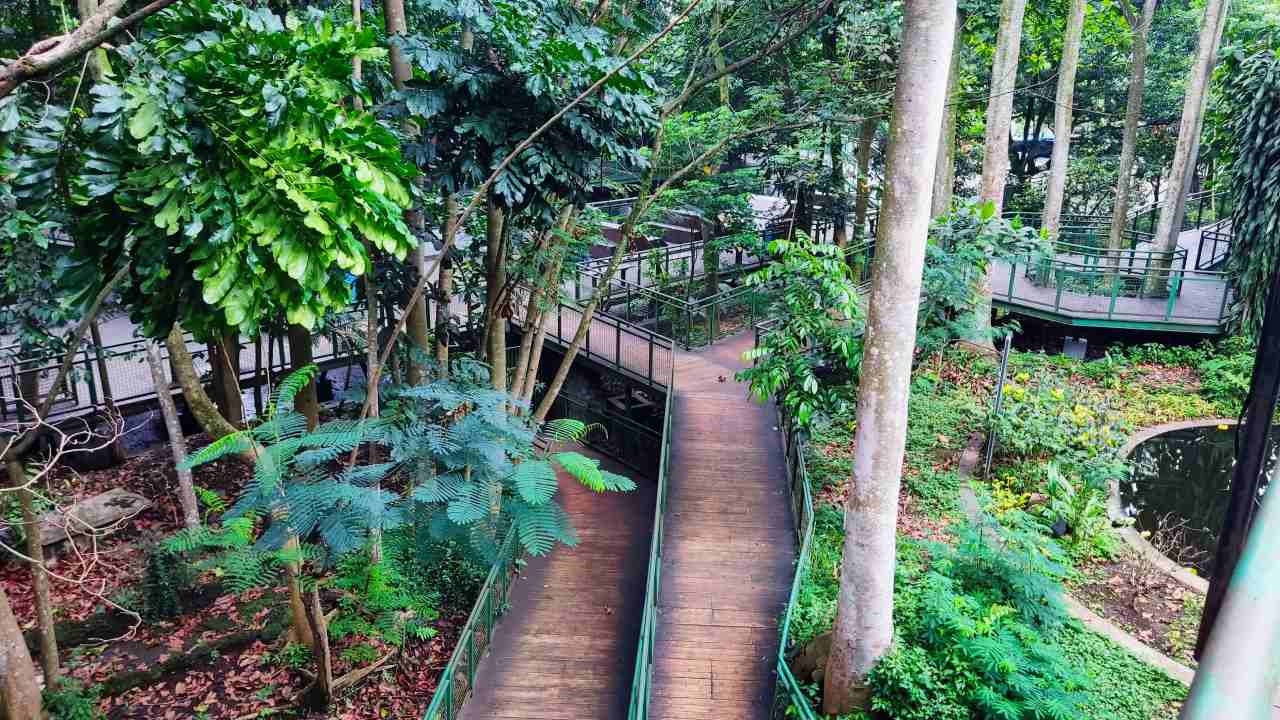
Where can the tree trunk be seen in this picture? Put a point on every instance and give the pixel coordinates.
(1188, 146)
(496, 295)
(323, 656)
(1055, 196)
(177, 444)
(1129, 140)
(862, 202)
(864, 610)
(19, 690)
(717, 52)
(99, 65)
(995, 157)
(944, 177)
(300, 356)
(184, 371)
(371, 359)
(301, 630)
(444, 287)
(118, 453)
(224, 359)
(546, 287)
(39, 575)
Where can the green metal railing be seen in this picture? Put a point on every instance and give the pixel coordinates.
(789, 699)
(459, 676)
(642, 678)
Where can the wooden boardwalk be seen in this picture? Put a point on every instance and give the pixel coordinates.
(566, 649)
(729, 549)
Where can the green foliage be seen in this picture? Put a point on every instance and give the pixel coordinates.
(236, 198)
(380, 601)
(69, 700)
(294, 656)
(962, 245)
(813, 300)
(907, 685)
(1225, 376)
(166, 581)
(1122, 687)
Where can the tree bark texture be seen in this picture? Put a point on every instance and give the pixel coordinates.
(19, 690)
(862, 199)
(496, 301)
(184, 371)
(1132, 115)
(224, 360)
(944, 174)
(1055, 196)
(39, 575)
(444, 287)
(300, 356)
(864, 610)
(177, 444)
(995, 156)
(1187, 148)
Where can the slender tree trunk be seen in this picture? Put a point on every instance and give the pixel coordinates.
(717, 52)
(1129, 141)
(995, 157)
(177, 443)
(371, 358)
(1188, 146)
(496, 295)
(548, 286)
(224, 359)
(19, 689)
(864, 609)
(944, 177)
(1055, 196)
(444, 287)
(839, 214)
(118, 453)
(862, 201)
(417, 324)
(300, 356)
(184, 371)
(324, 659)
(99, 65)
(39, 575)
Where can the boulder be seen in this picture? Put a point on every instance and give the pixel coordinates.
(98, 511)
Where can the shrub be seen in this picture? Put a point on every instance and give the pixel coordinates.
(166, 581)
(906, 685)
(69, 700)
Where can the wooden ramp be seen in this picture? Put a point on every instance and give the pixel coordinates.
(566, 649)
(729, 547)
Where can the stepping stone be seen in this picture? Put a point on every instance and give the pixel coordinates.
(98, 511)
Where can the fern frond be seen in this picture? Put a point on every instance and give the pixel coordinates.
(470, 505)
(540, 527)
(284, 394)
(235, 443)
(535, 480)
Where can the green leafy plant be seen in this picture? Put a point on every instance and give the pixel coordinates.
(166, 581)
(70, 700)
(294, 656)
(236, 198)
(813, 303)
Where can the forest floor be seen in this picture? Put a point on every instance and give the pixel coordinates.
(226, 656)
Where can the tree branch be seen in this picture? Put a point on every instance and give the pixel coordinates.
(51, 53)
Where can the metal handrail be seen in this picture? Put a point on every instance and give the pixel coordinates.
(453, 688)
(642, 676)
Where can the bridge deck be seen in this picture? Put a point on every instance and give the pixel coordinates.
(1197, 307)
(566, 649)
(729, 549)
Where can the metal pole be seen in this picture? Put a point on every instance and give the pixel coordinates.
(1252, 437)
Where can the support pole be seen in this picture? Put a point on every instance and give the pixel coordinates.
(1251, 462)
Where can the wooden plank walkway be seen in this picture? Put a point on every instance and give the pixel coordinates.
(729, 548)
(566, 649)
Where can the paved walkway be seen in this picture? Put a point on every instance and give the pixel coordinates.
(729, 549)
(567, 648)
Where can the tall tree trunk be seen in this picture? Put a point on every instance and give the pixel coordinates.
(547, 287)
(417, 324)
(862, 201)
(944, 174)
(19, 690)
(39, 575)
(864, 609)
(224, 362)
(835, 146)
(995, 157)
(99, 65)
(300, 356)
(177, 443)
(1141, 28)
(496, 294)
(184, 371)
(1056, 193)
(1188, 146)
(118, 453)
(371, 359)
(444, 287)
(717, 52)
